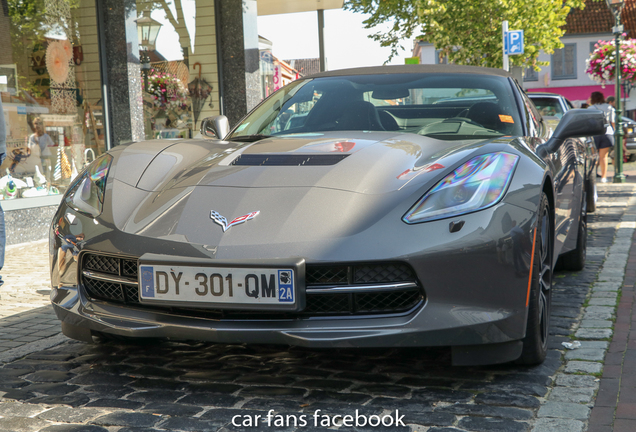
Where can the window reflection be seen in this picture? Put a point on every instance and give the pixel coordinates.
(178, 63)
(51, 95)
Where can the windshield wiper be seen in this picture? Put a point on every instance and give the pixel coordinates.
(250, 138)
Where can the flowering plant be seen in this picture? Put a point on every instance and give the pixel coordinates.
(168, 92)
(602, 62)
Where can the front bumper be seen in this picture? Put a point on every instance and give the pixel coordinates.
(430, 325)
(475, 283)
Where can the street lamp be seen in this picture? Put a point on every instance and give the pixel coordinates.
(147, 32)
(616, 6)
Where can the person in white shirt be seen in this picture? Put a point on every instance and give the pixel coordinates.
(42, 140)
(604, 143)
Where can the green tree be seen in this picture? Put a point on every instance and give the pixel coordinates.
(469, 31)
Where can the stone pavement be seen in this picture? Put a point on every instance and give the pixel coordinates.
(51, 384)
(27, 320)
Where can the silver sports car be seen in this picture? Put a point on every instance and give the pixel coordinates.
(375, 207)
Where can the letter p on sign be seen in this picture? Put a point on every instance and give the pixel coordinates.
(515, 42)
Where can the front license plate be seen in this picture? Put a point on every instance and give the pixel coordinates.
(180, 284)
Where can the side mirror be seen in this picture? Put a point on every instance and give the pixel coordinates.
(215, 127)
(576, 123)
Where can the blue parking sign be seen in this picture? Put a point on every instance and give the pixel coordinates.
(514, 42)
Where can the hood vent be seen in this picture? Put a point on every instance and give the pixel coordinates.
(288, 159)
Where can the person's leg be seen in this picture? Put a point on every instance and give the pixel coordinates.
(602, 161)
(597, 144)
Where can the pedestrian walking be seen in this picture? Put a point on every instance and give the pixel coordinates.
(604, 143)
(611, 101)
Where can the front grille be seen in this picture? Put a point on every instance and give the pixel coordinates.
(102, 264)
(110, 291)
(326, 275)
(323, 278)
(104, 290)
(387, 273)
(358, 274)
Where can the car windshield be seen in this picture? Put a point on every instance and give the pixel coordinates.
(443, 106)
(548, 106)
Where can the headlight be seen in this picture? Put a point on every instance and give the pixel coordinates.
(478, 184)
(86, 194)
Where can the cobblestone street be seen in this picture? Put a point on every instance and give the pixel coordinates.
(50, 383)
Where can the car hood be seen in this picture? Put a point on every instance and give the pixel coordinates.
(372, 180)
(367, 163)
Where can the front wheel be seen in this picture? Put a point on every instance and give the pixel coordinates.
(535, 344)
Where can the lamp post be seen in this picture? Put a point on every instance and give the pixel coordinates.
(147, 32)
(616, 6)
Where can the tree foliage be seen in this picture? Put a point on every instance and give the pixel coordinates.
(469, 32)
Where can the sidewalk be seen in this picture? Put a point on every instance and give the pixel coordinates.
(615, 404)
(27, 320)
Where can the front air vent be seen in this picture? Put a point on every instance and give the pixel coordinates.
(288, 159)
(348, 289)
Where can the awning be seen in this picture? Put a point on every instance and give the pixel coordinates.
(274, 7)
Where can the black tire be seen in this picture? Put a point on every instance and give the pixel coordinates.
(535, 344)
(575, 259)
(591, 192)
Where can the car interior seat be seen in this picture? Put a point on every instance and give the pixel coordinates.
(388, 121)
(359, 115)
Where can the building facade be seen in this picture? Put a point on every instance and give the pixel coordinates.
(566, 72)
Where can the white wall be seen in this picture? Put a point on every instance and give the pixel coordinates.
(427, 53)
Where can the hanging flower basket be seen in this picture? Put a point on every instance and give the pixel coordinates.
(601, 66)
(168, 92)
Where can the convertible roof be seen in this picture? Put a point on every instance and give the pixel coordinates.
(423, 69)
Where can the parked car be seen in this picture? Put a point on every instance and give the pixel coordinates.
(550, 104)
(629, 127)
(367, 224)
(553, 106)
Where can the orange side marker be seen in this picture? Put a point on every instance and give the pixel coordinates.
(534, 239)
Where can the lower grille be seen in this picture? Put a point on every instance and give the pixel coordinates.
(323, 280)
(104, 290)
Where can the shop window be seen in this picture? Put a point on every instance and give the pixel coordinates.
(564, 62)
(177, 53)
(51, 95)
